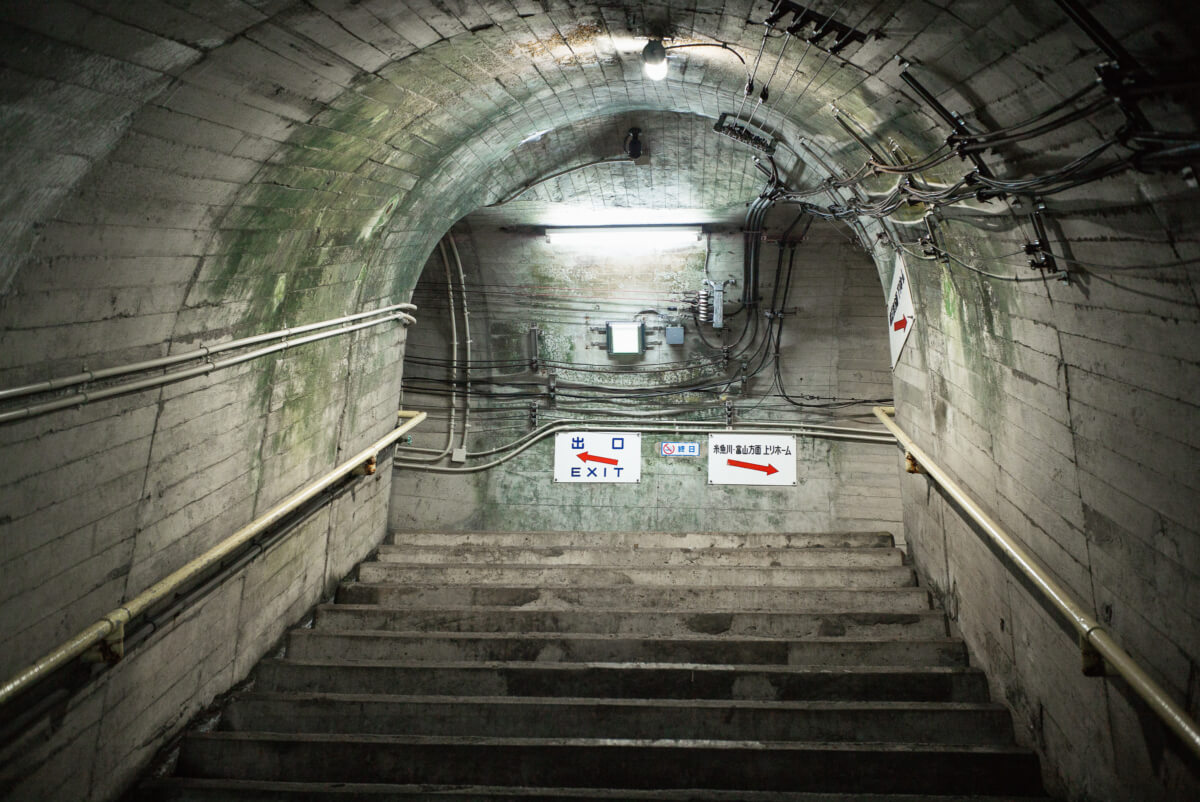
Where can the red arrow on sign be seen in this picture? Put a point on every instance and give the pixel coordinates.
(767, 469)
(586, 457)
(900, 325)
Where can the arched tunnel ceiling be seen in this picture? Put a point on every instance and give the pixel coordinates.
(686, 173)
(449, 92)
(354, 131)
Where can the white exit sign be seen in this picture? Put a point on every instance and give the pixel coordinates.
(598, 457)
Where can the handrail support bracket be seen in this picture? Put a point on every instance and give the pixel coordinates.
(111, 649)
(1091, 661)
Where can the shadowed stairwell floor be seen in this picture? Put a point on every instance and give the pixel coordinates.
(572, 666)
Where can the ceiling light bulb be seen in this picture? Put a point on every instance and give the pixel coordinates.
(654, 60)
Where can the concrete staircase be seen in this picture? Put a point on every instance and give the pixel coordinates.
(578, 666)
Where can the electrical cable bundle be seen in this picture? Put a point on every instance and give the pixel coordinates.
(1147, 150)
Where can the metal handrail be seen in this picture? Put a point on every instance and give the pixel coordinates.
(107, 633)
(1095, 644)
(188, 356)
(209, 365)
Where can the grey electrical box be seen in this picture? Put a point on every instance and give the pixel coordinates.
(674, 335)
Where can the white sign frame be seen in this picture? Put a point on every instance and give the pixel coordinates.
(732, 459)
(598, 457)
(901, 314)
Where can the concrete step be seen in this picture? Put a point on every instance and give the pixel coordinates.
(189, 789)
(541, 576)
(649, 681)
(640, 557)
(634, 719)
(669, 540)
(423, 595)
(928, 623)
(553, 647)
(610, 763)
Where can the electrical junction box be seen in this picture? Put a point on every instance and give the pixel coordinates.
(626, 338)
(674, 335)
(458, 455)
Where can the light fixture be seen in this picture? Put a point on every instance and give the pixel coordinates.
(654, 60)
(618, 238)
(625, 338)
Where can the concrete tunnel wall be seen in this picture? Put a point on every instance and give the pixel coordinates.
(181, 173)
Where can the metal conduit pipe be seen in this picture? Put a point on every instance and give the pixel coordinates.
(817, 429)
(512, 196)
(1096, 645)
(108, 631)
(462, 297)
(78, 399)
(630, 413)
(453, 367)
(188, 356)
(666, 427)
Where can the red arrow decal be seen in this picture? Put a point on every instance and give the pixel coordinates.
(586, 457)
(767, 469)
(900, 325)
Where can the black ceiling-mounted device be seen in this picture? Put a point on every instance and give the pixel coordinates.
(633, 145)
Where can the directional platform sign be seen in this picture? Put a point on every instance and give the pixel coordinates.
(597, 457)
(901, 314)
(751, 459)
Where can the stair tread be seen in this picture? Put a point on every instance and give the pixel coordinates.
(886, 589)
(451, 635)
(677, 568)
(563, 701)
(541, 533)
(639, 666)
(640, 743)
(821, 556)
(558, 550)
(584, 587)
(560, 576)
(633, 621)
(476, 792)
(497, 608)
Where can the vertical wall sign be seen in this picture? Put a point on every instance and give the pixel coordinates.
(901, 316)
(598, 457)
